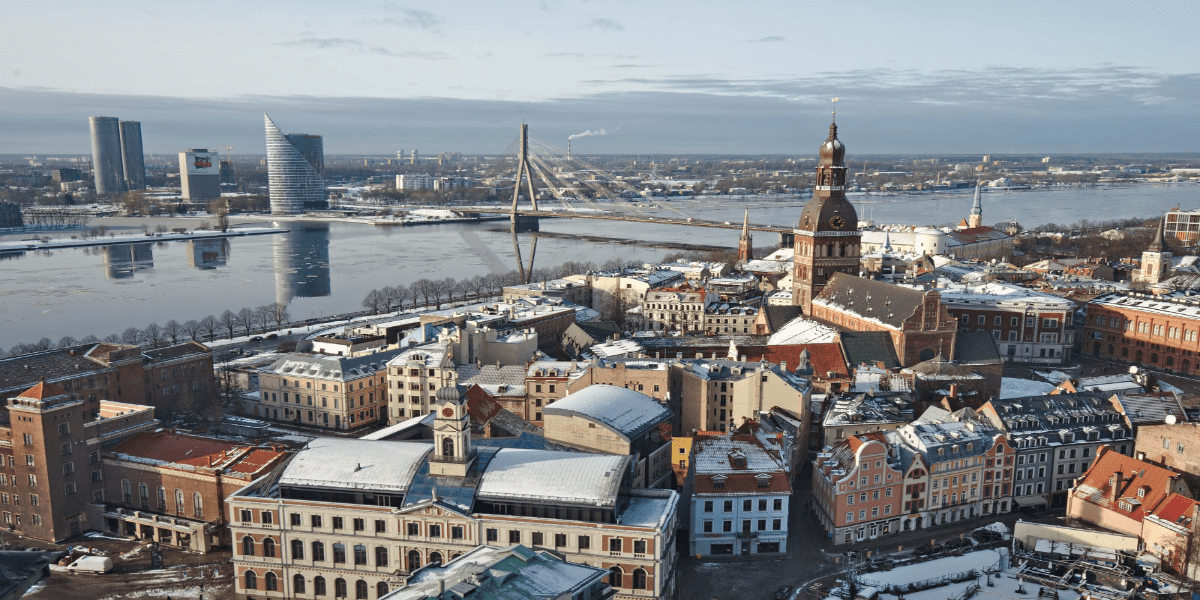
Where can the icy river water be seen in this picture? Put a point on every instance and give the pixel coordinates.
(321, 268)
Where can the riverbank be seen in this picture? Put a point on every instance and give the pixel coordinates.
(131, 238)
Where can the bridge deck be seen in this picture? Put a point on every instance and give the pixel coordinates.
(635, 219)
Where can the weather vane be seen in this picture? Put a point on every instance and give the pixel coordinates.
(834, 101)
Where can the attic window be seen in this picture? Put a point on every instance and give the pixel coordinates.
(718, 482)
(1141, 492)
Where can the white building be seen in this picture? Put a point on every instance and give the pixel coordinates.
(739, 493)
(414, 181)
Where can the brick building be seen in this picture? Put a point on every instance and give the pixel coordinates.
(177, 375)
(1028, 326)
(1158, 332)
(1175, 446)
(918, 322)
(171, 487)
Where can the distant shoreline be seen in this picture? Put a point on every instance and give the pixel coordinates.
(55, 243)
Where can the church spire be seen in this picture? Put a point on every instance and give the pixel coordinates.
(1160, 243)
(976, 217)
(745, 245)
(746, 224)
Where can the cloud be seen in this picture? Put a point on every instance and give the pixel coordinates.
(604, 24)
(322, 43)
(358, 46)
(768, 39)
(414, 18)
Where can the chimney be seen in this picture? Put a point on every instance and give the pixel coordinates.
(1115, 493)
(954, 390)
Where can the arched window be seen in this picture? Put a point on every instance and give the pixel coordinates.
(339, 553)
(435, 558)
(268, 547)
(162, 498)
(297, 550)
(178, 501)
(271, 581)
(1170, 361)
(614, 577)
(318, 586)
(414, 560)
(248, 546)
(318, 551)
(360, 590)
(251, 580)
(447, 446)
(126, 492)
(339, 588)
(144, 495)
(639, 579)
(298, 583)
(197, 505)
(381, 556)
(360, 554)
(381, 589)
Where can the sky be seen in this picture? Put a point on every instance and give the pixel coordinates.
(657, 77)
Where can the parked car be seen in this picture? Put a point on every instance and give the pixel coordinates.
(927, 550)
(883, 563)
(955, 544)
(257, 338)
(271, 336)
(783, 593)
(985, 536)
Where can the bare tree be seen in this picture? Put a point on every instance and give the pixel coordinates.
(67, 341)
(463, 288)
(449, 288)
(263, 314)
(228, 321)
(153, 335)
(192, 327)
(397, 295)
(373, 301)
(209, 325)
(90, 339)
(246, 318)
(172, 331)
(279, 314)
(492, 284)
(426, 288)
(132, 336)
(113, 338)
(414, 293)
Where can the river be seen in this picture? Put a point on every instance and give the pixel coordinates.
(323, 268)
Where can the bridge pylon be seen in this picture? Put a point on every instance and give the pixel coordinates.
(524, 173)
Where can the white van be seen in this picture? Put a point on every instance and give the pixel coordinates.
(92, 564)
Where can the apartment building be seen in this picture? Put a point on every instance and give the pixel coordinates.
(738, 495)
(175, 375)
(679, 309)
(547, 381)
(730, 318)
(615, 292)
(331, 391)
(363, 515)
(1028, 326)
(856, 489)
(413, 378)
(943, 462)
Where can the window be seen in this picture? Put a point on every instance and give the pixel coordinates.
(268, 517)
(178, 501)
(614, 545)
(70, 488)
(413, 528)
(360, 554)
(296, 519)
(318, 552)
(537, 538)
(639, 546)
(381, 556)
(339, 587)
(514, 536)
(251, 580)
(779, 504)
(614, 577)
(708, 506)
(585, 542)
(246, 515)
(639, 579)
(297, 550)
(248, 546)
(29, 440)
(272, 583)
(493, 535)
(747, 505)
(728, 506)
(380, 526)
(126, 491)
(314, 520)
(435, 531)
(65, 448)
(762, 504)
(360, 590)
(381, 589)
(268, 547)
(298, 584)
(560, 540)
(339, 553)
(318, 586)
(337, 523)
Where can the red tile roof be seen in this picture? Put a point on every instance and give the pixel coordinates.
(257, 460)
(196, 451)
(1154, 482)
(824, 358)
(42, 391)
(1176, 509)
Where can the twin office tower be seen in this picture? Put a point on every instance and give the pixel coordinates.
(117, 160)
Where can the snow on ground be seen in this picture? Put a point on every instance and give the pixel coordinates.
(942, 566)
(37, 587)
(1015, 387)
(1054, 376)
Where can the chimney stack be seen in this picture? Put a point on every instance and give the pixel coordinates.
(1116, 487)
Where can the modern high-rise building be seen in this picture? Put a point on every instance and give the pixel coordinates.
(107, 165)
(295, 164)
(132, 159)
(200, 174)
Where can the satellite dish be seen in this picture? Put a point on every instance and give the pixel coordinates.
(1133, 370)
(1170, 419)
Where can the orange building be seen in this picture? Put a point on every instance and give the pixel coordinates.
(856, 489)
(1162, 333)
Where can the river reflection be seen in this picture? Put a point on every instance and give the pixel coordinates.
(123, 260)
(302, 262)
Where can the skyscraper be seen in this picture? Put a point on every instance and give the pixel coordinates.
(200, 174)
(295, 164)
(132, 159)
(107, 165)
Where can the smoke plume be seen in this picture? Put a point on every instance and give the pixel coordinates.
(589, 133)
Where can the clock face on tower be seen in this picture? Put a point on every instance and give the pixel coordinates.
(837, 222)
(447, 412)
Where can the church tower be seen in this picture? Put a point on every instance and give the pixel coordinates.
(745, 244)
(1156, 260)
(827, 240)
(452, 451)
(976, 218)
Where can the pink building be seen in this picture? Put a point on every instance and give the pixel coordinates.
(857, 489)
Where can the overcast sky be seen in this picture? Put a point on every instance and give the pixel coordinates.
(659, 77)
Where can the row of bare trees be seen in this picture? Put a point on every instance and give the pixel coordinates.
(227, 324)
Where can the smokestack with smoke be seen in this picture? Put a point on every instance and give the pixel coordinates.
(584, 134)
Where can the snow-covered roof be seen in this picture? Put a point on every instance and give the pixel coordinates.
(711, 456)
(550, 476)
(391, 430)
(1186, 308)
(429, 354)
(1001, 294)
(615, 348)
(625, 411)
(331, 367)
(1015, 387)
(802, 330)
(356, 464)
(645, 510)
